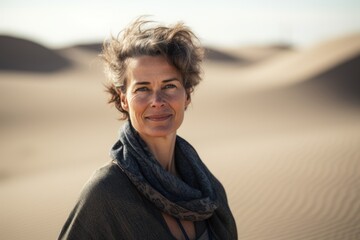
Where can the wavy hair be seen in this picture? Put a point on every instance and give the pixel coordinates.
(176, 42)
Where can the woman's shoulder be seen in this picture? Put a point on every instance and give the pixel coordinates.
(106, 175)
(105, 207)
(109, 182)
(109, 173)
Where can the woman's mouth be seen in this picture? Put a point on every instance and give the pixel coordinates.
(158, 118)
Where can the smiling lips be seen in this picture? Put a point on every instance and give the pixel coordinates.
(158, 117)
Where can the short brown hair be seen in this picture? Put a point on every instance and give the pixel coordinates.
(176, 42)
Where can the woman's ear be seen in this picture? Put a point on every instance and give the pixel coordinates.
(124, 102)
(188, 100)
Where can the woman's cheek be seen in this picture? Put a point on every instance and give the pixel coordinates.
(137, 101)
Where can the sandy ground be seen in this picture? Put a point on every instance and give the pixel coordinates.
(282, 134)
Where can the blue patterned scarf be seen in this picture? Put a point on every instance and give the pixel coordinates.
(191, 197)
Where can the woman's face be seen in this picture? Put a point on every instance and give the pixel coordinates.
(155, 97)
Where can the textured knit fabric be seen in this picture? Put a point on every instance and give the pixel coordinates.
(191, 198)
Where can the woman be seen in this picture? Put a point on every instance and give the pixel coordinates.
(156, 186)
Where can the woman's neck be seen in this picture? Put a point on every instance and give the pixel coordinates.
(163, 150)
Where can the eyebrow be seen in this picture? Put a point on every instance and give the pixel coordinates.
(163, 81)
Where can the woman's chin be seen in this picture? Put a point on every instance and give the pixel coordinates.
(159, 131)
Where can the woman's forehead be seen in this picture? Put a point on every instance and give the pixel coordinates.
(152, 68)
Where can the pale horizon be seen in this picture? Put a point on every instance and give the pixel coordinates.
(225, 23)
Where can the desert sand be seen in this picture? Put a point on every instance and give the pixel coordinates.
(280, 127)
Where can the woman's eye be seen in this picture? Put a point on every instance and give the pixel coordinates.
(168, 86)
(141, 89)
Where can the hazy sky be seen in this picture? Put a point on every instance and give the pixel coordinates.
(57, 23)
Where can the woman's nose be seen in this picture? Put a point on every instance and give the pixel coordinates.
(157, 99)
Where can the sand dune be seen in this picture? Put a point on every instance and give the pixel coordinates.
(24, 55)
(279, 133)
(341, 80)
(256, 53)
(212, 54)
(290, 67)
